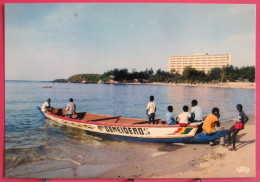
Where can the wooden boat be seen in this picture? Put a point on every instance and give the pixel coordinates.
(132, 129)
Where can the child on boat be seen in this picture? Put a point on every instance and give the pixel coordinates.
(184, 117)
(151, 109)
(240, 122)
(196, 111)
(210, 123)
(170, 116)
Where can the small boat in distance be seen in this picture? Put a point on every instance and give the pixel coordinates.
(46, 86)
(132, 129)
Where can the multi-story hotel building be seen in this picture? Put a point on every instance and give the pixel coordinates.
(201, 62)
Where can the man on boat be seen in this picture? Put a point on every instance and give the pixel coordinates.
(196, 111)
(210, 123)
(71, 108)
(46, 105)
(151, 109)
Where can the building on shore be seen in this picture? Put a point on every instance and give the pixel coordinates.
(201, 62)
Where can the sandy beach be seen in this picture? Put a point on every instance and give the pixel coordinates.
(197, 161)
(244, 85)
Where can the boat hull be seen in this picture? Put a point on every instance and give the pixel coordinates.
(135, 132)
(199, 138)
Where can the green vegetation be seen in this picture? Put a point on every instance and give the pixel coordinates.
(190, 75)
(88, 78)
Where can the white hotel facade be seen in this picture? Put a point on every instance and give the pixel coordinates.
(201, 62)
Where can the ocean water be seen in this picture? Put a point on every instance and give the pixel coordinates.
(35, 144)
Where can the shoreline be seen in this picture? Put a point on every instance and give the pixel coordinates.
(242, 85)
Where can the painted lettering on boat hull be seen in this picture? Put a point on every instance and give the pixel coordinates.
(124, 130)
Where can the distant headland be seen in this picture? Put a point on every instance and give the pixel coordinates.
(190, 76)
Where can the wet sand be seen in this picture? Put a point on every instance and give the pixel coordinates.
(196, 160)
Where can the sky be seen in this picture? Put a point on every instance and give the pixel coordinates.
(55, 41)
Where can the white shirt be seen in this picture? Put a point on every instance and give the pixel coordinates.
(151, 106)
(198, 112)
(44, 106)
(71, 108)
(184, 117)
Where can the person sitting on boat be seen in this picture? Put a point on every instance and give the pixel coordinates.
(196, 111)
(211, 123)
(170, 116)
(240, 121)
(184, 117)
(46, 105)
(151, 109)
(71, 108)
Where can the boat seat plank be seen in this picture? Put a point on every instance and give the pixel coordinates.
(58, 111)
(88, 117)
(55, 110)
(80, 115)
(142, 122)
(157, 122)
(64, 112)
(108, 118)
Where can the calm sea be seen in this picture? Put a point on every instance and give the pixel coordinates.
(31, 139)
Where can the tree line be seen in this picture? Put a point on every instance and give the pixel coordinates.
(190, 75)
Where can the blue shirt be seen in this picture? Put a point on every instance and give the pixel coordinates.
(169, 118)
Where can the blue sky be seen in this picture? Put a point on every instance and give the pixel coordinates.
(50, 41)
